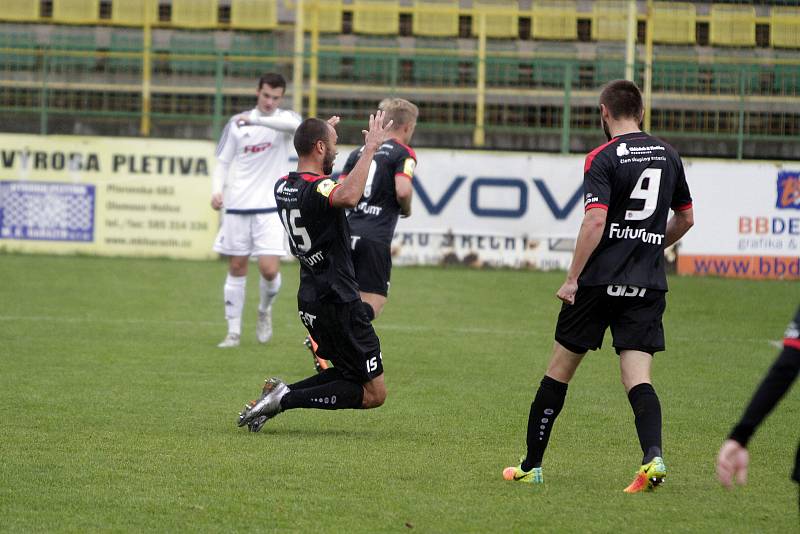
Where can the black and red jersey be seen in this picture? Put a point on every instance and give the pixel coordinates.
(375, 216)
(638, 179)
(318, 235)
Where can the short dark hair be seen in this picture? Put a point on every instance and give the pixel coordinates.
(623, 99)
(308, 133)
(273, 79)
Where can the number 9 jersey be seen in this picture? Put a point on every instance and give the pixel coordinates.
(319, 237)
(637, 178)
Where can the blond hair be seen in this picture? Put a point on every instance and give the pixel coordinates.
(399, 110)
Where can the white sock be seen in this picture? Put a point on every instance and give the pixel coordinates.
(234, 302)
(268, 291)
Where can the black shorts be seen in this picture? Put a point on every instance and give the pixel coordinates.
(345, 336)
(796, 473)
(373, 264)
(634, 318)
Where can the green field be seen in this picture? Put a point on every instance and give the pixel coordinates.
(117, 411)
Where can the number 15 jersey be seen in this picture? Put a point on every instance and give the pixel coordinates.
(637, 178)
(319, 237)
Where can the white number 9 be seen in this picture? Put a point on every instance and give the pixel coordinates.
(649, 195)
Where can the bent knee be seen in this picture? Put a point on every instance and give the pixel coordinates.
(374, 399)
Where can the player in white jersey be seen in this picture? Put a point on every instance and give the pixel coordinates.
(250, 158)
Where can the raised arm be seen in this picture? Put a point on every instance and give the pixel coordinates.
(349, 193)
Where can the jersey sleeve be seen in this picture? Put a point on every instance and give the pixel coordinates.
(405, 164)
(322, 194)
(596, 182)
(352, 159)
(226, 148)
(681, 198)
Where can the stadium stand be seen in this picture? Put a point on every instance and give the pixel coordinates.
(88, 56)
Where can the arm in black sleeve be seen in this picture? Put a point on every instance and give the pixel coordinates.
(777, 382)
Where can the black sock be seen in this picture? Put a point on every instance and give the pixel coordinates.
(647, 413)
(368, 310)
(544, 410)
(335, 395)
(323, 377)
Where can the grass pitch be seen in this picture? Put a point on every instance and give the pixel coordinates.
(117, 411)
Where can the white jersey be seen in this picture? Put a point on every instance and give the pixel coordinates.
(258, 156)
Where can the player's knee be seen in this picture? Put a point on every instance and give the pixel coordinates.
(374, 398)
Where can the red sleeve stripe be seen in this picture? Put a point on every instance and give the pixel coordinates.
(792, 343)
(410, 150)
(595, 205)
(404, 175)
(590, 157)
(683, 207)
(330, 195)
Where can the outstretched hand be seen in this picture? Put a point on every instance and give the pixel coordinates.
(377, 130)
(732, 461)
(334, 120)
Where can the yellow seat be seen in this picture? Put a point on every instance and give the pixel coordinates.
(254, 14)
(21, 10)
(674, 23)
(132, 12)
(329, 15)
(733, 25)
(376, 17)
(435, 18)
(76, 11)
(609, 20)
(194, 13)
(502, 18)
(554, 19)
(785, 27)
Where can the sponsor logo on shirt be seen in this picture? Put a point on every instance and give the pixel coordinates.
(622, 149)
(616, 231)
(325, 187)
(590, 199)
(254, 149)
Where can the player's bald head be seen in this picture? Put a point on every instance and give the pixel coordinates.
(309, 133)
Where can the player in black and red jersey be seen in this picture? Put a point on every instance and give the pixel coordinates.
(733, 458)
(312, 208)
(617, 277)
(387, 196)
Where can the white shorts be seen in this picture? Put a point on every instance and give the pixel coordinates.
(257, 234)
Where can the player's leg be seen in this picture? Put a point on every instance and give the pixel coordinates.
(234, 294)
(269, 247)
(373, 304)
(233, 240)
(269, 285)
(580, 328)
(372, 261)
(638, 334)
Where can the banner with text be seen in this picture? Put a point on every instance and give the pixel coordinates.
(108, 196)
(747, 220)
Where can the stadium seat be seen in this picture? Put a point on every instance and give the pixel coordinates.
(609, 64)
(440, 69)
(132, 12)
(733, 25)
(729, 78)
(674, 22)
(76, 11)
(22, 57)
(187, 44)
(258, 50)
(554, 20)
(376, 17)
(254, 14)
(329, 15)
(20, 10)
(609, 20)
(785, 27)
(435, 18)
(786, 81)
(502, 18)
(128, 43)
(73, 51)
(194, 13)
